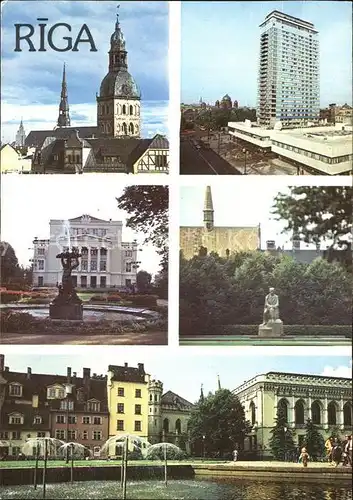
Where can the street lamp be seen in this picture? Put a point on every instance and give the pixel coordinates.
(68, 391)
(203, 446)
(245, 151)
(285, 429)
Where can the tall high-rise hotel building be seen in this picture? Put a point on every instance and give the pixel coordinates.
(289, 72)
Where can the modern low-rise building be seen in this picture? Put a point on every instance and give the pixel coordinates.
(319, 150)
(326, 401)
(106, 260)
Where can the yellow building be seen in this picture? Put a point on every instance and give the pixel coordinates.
(12, 162)
(127, 390)
(210, 238)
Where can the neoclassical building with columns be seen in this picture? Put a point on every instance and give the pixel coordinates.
(106, 262)
(327, 401)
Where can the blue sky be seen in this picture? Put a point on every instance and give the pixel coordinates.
(31, 81)
(220, 48)
(181, 372)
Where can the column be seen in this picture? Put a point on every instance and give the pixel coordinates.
(88, 266)
(309, 406)
(275, 402)
(340, 420)
(324, 414)
(291, 413)
(108, 267)
(259, 409)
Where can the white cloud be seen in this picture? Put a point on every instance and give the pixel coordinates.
(338, 371)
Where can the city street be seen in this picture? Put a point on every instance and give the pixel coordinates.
(197, 158)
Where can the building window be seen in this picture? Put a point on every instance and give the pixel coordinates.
(138, 393)
(97, 420)
(65, 403)
(4, 435)
(16, 419)
(120, 408)
(72, 434)
(94, 251)
(166, 425)
(252, 413)
(128, 253)
(41, 251)
(37, 419)
(331, 414)
(138, 426)
(86, 420)
(84, 265)
(16, 435)
(299, 413)
(128, 267)
(72, 419)
(347, 414)
(41, 434)
(120, 425)
(93, 406)
(51, 393)
(282, 408)
(15, 451)
(97, 435)
(85, 435)
(315, 413)
(121, 392)
(103, 265)
(93, 265)
(41, 265)
(178, 426)
(60, 434)
(15, 390)
(60, 419)
(137, 409)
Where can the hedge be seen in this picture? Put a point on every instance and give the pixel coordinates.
(252, 330)
(9, 296)
(143, 300)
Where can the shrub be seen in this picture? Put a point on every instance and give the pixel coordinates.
(10, 296)
(289, 330)
(39, 300)
(98, 298)
(13, 322)
(114, 298)
(144, 300)
(173, 453)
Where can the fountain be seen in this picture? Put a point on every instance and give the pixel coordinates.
(67, 305)
(75, 449)
(160, 451)
(124, 440)
(43, 446)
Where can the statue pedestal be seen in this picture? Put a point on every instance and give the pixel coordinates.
(271, 329)
(66, 311)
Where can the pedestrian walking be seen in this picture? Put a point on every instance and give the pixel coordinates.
(235, 455)
(348, 451)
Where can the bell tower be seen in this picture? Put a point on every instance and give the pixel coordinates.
(119, 100)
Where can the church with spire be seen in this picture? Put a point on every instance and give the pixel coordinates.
(20, 136)
(115, 143)
(202, 240)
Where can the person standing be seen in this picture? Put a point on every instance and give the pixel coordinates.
(348, 451)
(235, 455)
(328, 447)
(304, 457)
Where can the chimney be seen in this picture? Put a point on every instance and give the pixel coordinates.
(29, 372)
(86, 373)
(74, 375)
(69, 374)
(2, 362)
(87, 381)
(140, 367)
(6, 368)
(126, 365)
(35, 401)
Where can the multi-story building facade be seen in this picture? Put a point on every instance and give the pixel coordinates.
(289, 72)
(106, 261)
(68, 408)
(211, 238)
(326, 401)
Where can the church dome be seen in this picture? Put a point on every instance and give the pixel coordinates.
(119, 84)
(226, 98)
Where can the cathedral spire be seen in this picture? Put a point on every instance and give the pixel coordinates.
(64, 116)
(202, 398)
(208, 212)
(117, 53)
(219, 383)
(20, 135)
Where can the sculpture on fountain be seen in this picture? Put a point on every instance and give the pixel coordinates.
(271, 326)
(67, 304)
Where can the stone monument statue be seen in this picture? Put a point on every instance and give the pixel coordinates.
(271, 326)
(67, 304)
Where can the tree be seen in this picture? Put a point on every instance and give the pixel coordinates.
(315, 214)
(314, 442)
(143, 282)
(9, 267)
(160, 284)
(148, 209)
(220, 418)
(281, 442)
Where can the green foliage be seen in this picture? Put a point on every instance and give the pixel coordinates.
(9, 267)
(160, 284)
(335, 433)
(292, 330)
(143, 281)
(215, 292)
(216, 119)
(144, 300)
(281, 441)
(319, 213)
(314, 442)
(148, 210)
(12, 322)
(221, 419)
(172, 454)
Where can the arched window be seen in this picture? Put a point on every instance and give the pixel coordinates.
(282, 407)
(299, 412)
(331, 414)
(124, 109)
(178, 426)
(131, 128)
(151, 397)
(252, 412)
(131, 110)
(316, 413)
(347, 414)
(124, 129)
(166, 425)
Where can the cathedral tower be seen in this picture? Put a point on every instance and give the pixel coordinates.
(208, 212)
(20, 136)
(118, 103)
(155, 391)
(64, 116)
